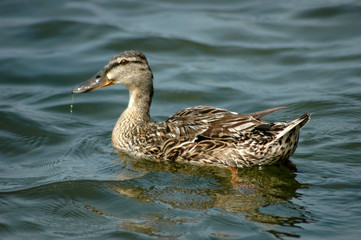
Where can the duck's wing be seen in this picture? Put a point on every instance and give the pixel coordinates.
(207, 110)
(204, 123)
(260, 114)
(199, 111)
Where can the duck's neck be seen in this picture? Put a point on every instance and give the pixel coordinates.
(138, 106)
(136, 117)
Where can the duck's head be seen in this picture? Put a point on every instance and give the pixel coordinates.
(129, 68)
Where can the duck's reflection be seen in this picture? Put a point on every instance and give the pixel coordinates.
(190, 187)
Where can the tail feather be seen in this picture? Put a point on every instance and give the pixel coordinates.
(301, 121)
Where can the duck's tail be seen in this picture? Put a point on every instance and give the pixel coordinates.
(298, 122)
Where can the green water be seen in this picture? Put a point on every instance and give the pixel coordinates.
(61, 179)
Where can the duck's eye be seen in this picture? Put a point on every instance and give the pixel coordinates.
(123, 62)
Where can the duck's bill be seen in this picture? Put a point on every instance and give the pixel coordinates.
(95, 82)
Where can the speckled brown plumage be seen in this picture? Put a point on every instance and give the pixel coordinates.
(203, 134)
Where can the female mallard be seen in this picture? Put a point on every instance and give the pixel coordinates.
(200, 134)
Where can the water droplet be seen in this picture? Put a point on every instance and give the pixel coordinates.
(71, 104)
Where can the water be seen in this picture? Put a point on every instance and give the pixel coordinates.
(59, 175)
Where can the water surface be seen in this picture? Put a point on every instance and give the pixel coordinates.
(60, 176)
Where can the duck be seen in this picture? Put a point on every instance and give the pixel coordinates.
(198, 135)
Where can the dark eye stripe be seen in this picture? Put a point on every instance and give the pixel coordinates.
(122, 62)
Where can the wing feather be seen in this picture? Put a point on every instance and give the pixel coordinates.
(205, 122)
